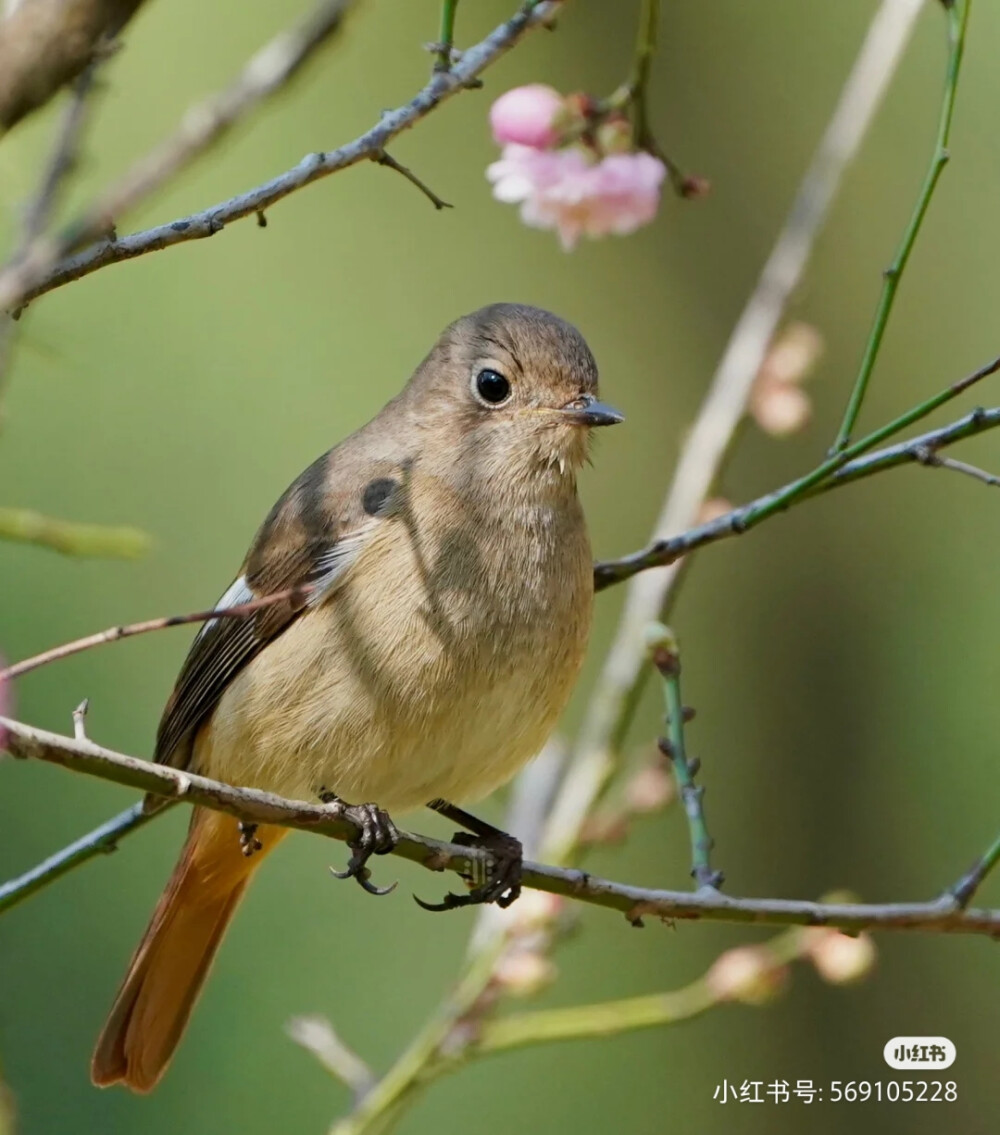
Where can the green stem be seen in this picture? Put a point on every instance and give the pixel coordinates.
(776, 502)
(645, 49)
(446, 40)
(610, 1018)
(666, 658)
(958, 18)
(73, 539)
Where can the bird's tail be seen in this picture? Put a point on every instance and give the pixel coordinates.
(172, 961)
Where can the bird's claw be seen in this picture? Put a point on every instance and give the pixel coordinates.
(502, 884)
(249, 843)
(377, 835)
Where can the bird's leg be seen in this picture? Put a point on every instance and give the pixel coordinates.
(502, 884)
(377, 835)
(249, 843)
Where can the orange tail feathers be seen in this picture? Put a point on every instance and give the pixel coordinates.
(172, 961)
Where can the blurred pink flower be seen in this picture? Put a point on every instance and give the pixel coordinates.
(568, 190)
(527, 116)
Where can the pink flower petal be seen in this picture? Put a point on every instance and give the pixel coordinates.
(526, 116)
(570, 191)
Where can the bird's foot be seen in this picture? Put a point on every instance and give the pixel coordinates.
(377, 835)
(249, 843)
(502, 883)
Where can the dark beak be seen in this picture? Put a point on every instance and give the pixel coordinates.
(587, 411)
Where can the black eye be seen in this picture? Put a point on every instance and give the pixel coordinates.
(492, 387)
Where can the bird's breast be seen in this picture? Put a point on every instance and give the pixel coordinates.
(438, 668)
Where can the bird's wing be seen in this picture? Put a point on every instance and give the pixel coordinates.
(310, 541)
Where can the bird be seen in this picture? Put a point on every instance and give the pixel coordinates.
(439, 585)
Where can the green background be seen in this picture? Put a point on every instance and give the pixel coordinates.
(842, 658)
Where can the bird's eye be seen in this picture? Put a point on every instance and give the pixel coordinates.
(492, 387)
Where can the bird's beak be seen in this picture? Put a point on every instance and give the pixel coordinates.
(587, 411)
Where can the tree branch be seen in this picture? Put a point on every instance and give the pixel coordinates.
(101, 841)
(41, 207)
(50, 264)
(661, 553)
(203, 125)
(253, 806)
(45, 44)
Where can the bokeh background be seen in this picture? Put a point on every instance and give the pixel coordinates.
(842, 658)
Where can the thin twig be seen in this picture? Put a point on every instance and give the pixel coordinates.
(50, 265)
(957, 22)
(970, 882)
(836, 471)
(316, 1035)
(101, 841)
(65, 155)
(114, 634)
(931, 458)
(63, 159)
(386, 159)
(666, 658)
(79, 719)
(253, 806)
(202, 126)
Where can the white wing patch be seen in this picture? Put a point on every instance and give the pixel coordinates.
(237, 594)
(334, 564)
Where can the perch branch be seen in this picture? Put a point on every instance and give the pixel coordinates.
(252, 806)
(50, 264)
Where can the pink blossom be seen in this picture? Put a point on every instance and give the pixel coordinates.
(527, 116)
(573, 192)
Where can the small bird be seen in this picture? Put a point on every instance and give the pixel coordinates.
(440, 591)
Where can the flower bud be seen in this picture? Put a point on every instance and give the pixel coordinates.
(794, 354)
(748, 974)
(779, 408)
(527, 116)
(839, 958)
(651, 789)
(523, 973)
